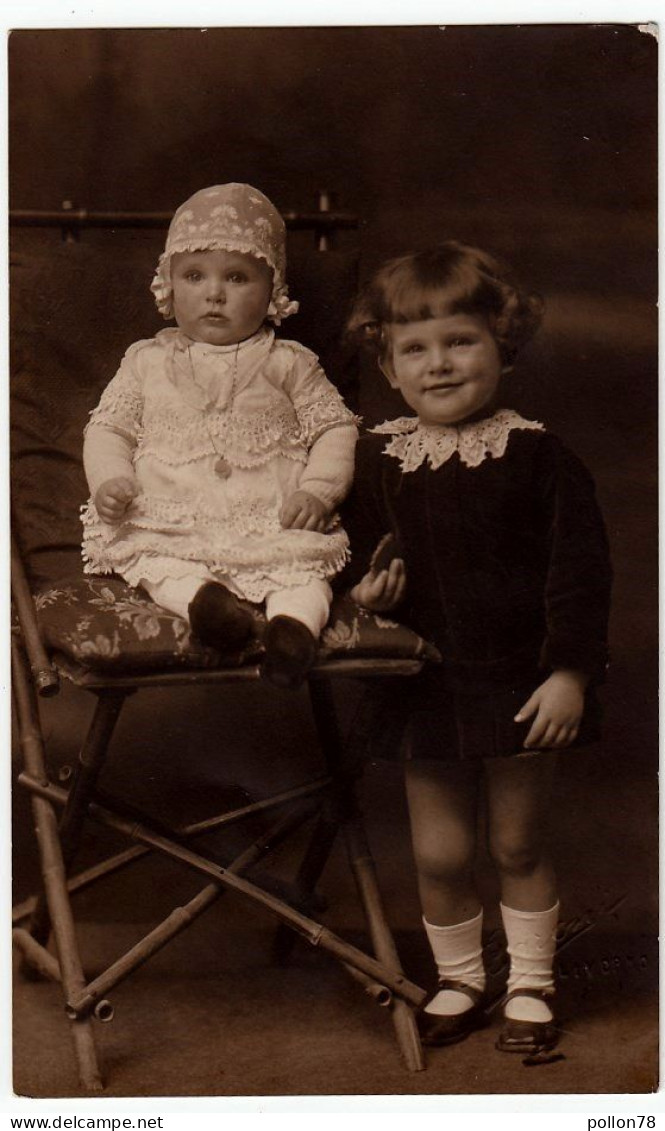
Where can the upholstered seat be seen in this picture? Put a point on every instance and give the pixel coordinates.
(105, 625)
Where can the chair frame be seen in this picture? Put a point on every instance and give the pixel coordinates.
(331, 798)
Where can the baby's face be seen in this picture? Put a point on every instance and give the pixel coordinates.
(220, 297)
(446, 368)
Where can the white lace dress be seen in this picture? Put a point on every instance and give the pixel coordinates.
(217, 438)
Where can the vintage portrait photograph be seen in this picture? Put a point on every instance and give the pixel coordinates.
(333, 408)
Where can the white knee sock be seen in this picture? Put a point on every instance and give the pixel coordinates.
(458, 953)
(531, 939)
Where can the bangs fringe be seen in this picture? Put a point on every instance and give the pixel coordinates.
(448, 279)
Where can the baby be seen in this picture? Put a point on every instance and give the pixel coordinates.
(218, 454)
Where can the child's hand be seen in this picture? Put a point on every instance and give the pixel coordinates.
(303, 511)
(114, 496)
(558, 705)
(380, 592)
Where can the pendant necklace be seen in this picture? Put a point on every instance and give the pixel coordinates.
(222, 468)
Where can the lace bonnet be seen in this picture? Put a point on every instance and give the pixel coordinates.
(232, 217)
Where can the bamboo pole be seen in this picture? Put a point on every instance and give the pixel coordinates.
(379, 993)
(84, 879)
(90, 761)
(38, 957)
(71, 970)
(122, 859)
(307, 877)
(53, 872)
(364, 870)
(315, 933)
(72, 219)
(362, 865)
(230, 818)
(361, 668)
(180, 918)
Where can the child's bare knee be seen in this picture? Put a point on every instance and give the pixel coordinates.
(515, 857)
(444, 864)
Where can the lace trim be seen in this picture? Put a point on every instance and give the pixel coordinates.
(268, 561)
(327, 411)
(244, 462)
(244, 440)
(119, 410)
(413, 443)
(254, 585)
(197, 530)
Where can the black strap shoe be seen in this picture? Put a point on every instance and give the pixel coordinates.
(528, 1037)
(447, 1029)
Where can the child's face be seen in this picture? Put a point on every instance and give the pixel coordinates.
(220, 297)
(446, 368)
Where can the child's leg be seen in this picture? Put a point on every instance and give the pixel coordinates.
(296, 617)
(208, 604)
(443, 802)
(518, 792)
(309, 604)
(177, 593)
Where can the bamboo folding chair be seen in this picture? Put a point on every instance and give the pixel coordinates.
(47, 647)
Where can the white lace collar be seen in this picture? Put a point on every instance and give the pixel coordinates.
(413, 443)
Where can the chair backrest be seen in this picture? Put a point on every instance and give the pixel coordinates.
(75, 308)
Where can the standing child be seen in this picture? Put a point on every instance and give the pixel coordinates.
(499, 555)
(218, 454)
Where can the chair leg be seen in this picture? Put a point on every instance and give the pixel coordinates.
(364, 870)
(362, 865)
(90, 762)
(307, 877)
(60, 914)
(53, 870)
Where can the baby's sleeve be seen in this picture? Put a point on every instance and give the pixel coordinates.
(319, 407)
(329, 471)
(112, 431)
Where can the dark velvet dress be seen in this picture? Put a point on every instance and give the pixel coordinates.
(507, 568)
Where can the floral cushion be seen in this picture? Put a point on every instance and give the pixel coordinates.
(105, 625)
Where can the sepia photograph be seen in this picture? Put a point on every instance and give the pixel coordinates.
(333, 414)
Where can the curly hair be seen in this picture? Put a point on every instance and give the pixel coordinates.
(451, 278)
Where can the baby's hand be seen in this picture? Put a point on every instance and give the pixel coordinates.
(380, 592)
(558, 705)
(303, 511)
(114, 496)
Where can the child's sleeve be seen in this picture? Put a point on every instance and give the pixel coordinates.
(579, 576)
(112, 432)
(362, 513)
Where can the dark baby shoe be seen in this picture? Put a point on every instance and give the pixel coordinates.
(448, 1029)
(290, 652)
(219, 619)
